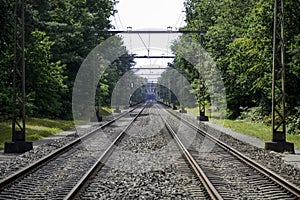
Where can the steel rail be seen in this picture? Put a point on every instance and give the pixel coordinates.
(250, 162)
(213, 193)
(54, 154)
(99, 163)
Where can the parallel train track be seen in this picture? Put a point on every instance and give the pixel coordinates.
(88, 185)
(54, 175)
(230, 174)
(99, 163)
(221, 173)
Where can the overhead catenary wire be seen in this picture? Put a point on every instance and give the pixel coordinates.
(119, 24)
(180, 17)
(147, 48)
(167, 46)
(130, 43)
(182, 20)
(116, 19)
(120, 21)
(116, 23)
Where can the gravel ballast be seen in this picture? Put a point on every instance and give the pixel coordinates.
(146, 165)
(130, 182)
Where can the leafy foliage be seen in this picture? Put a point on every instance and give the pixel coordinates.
(45, 80)
(59, 36)
(240, 38)
(6, 57)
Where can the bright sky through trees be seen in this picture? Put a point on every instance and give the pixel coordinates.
(147, 14)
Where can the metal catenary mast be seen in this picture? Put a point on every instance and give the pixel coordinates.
(18, 144)
(278, 142)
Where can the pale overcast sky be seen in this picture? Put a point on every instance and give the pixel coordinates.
(148, 14)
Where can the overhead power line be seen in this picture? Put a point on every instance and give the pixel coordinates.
(180, 17)
(120, 21)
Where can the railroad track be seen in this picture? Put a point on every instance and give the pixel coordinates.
(78, 171)
(100, 162)
(53, 176)
(211, 190)
(146, 178)
(230, 174)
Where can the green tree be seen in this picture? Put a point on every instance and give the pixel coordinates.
(240, 38)
(6, 57)
(66, 34)
(45, 80)
(73, 25)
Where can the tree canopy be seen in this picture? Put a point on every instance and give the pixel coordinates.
(59, 36)
(239, 39)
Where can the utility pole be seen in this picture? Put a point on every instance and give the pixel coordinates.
(278, 142)
(18, 144)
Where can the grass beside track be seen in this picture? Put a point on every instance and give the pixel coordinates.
(36, 128)
(105, 111)
(258, 130)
